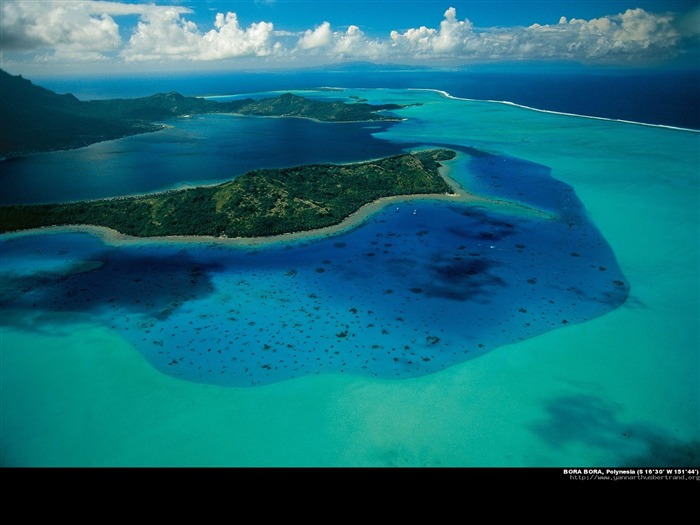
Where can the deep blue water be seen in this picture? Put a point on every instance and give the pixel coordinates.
(655, 96)
(417, 288)
(518, 180)
(207, 149)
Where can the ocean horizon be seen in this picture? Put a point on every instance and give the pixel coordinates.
(669, 97)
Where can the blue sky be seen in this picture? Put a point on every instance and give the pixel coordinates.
(91, 36)
(381, 17)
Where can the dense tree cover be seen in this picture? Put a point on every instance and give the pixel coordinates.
(259, 203)
(290, 105)
(36, 119)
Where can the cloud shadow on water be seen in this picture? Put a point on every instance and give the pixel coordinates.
(122, 282)
(595, 422)
(463, 280)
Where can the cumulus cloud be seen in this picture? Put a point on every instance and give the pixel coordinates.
(453, 37)
(68, 29)
(321, 36)
(163, 33)
(631, 35)
(352, 43)
(230, 40)
(89, 30)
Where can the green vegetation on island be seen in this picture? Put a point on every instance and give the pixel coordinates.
(257, 204)
(35, 119)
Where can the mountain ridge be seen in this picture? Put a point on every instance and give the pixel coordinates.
(35, 119)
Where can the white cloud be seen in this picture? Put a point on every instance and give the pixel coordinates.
(73, 30)
(353, 43)
(163, 33)
(230, 40)
(67, 28)
(88, 30)
(453, 38)
(118, 8)
(321, 36)
(629, 36)
(453, 33)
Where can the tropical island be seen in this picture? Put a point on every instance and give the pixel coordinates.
(259, 203)
(36, 119)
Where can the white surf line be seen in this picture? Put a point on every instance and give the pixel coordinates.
(508, 103)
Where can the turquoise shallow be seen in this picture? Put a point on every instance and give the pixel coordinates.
(555, 325)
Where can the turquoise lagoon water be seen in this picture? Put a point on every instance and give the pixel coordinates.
(360, 348)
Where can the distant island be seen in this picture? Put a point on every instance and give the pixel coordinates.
(35, 119)
(369, 67)
(258, 204)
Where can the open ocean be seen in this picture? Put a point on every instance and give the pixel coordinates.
(557, 328)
